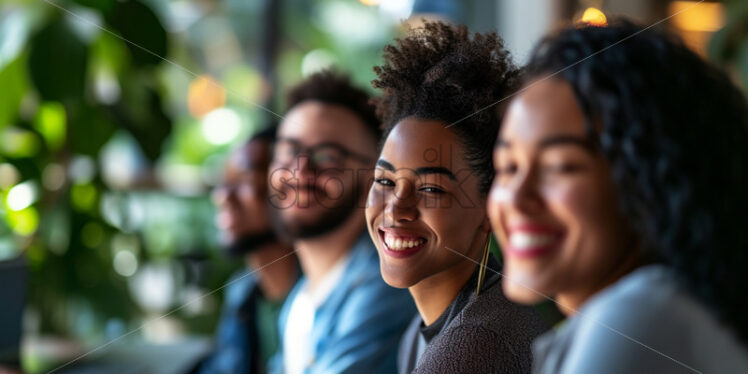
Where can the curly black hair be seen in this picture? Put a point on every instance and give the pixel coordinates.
(675, 131)
(334, 88)
(439, 72)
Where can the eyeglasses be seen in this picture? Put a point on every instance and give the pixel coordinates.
(325, 155)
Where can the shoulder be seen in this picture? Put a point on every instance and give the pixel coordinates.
(649, 296)
(363, 296)
(646, 321)
(363, 283)
(239, 286)
(492, 310)
(363, 263)
(408, 344)
(490, 332)
(369, 298)
(473, 348)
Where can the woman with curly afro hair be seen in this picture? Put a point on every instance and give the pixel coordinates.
(426, 208)
(621, 171)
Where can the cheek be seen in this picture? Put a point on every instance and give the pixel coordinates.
(246, 195)
(280, 178)
(454, 226)
(334, 186)
(497, 198)
(280, 193)
(374, 204)
(572, 197)
(584, 209)
(573, 200)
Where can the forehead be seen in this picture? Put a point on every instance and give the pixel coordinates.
(251, 158)
(544, 108)
(253, 155)
(255, 177)
(313, 122)
(414, 143)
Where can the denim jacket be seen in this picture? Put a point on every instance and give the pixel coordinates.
(358, 326)
(236, 340)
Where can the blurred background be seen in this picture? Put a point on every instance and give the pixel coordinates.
(116, 116)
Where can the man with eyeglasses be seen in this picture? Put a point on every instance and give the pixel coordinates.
(246, 338)
(341, 317)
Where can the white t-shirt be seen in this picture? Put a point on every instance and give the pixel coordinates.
(298, 353)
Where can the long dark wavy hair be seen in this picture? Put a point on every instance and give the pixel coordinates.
(675, 131)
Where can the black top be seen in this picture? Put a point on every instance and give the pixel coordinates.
(483, 334)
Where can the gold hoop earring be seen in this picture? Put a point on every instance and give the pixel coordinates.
(483, 265)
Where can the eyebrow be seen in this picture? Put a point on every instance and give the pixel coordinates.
(584, 143)
(501, 143)
(420, 171)
(436, 170)
(568, 139)
(283, 139)
(385, 165)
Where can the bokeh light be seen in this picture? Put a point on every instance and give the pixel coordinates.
(53, 176)
(316, 60)
(23, 222)
(205, 94)
(51, 122)
(21, 196)
(221, 126)
(83, 197)
(125, 263)
(82, 169)
(594, 16)
(17, 142)
(8, 175)
(702, 16)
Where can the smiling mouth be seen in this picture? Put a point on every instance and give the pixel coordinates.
(532, 244)
(401, 245)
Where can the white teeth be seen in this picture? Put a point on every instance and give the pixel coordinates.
(524, 241)
(398, 244)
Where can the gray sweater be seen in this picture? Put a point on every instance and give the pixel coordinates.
(644, 323)
(483, 334)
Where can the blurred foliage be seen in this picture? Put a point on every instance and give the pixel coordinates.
(103, 168)
(107, 147)
(729, 46)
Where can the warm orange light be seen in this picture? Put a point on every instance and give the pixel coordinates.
(693, 16)
(370, 2)
(204, 95)
(594, 16)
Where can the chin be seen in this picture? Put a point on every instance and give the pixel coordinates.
(520, 293)
(395, 283)
(393, 280)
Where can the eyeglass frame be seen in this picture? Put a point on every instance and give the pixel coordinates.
(309, 151)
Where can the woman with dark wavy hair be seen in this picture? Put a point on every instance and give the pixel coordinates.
(620, 182)
(426, 209)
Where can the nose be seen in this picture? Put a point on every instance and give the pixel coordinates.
(220, 195)
(402, 205)
(303, 169)
(521, 194)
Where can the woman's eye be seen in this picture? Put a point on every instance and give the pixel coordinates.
(384, 182)
(506, 169)
(431, 189)
(563, 168)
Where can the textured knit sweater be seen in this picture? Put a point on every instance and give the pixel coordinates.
(476, 334)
